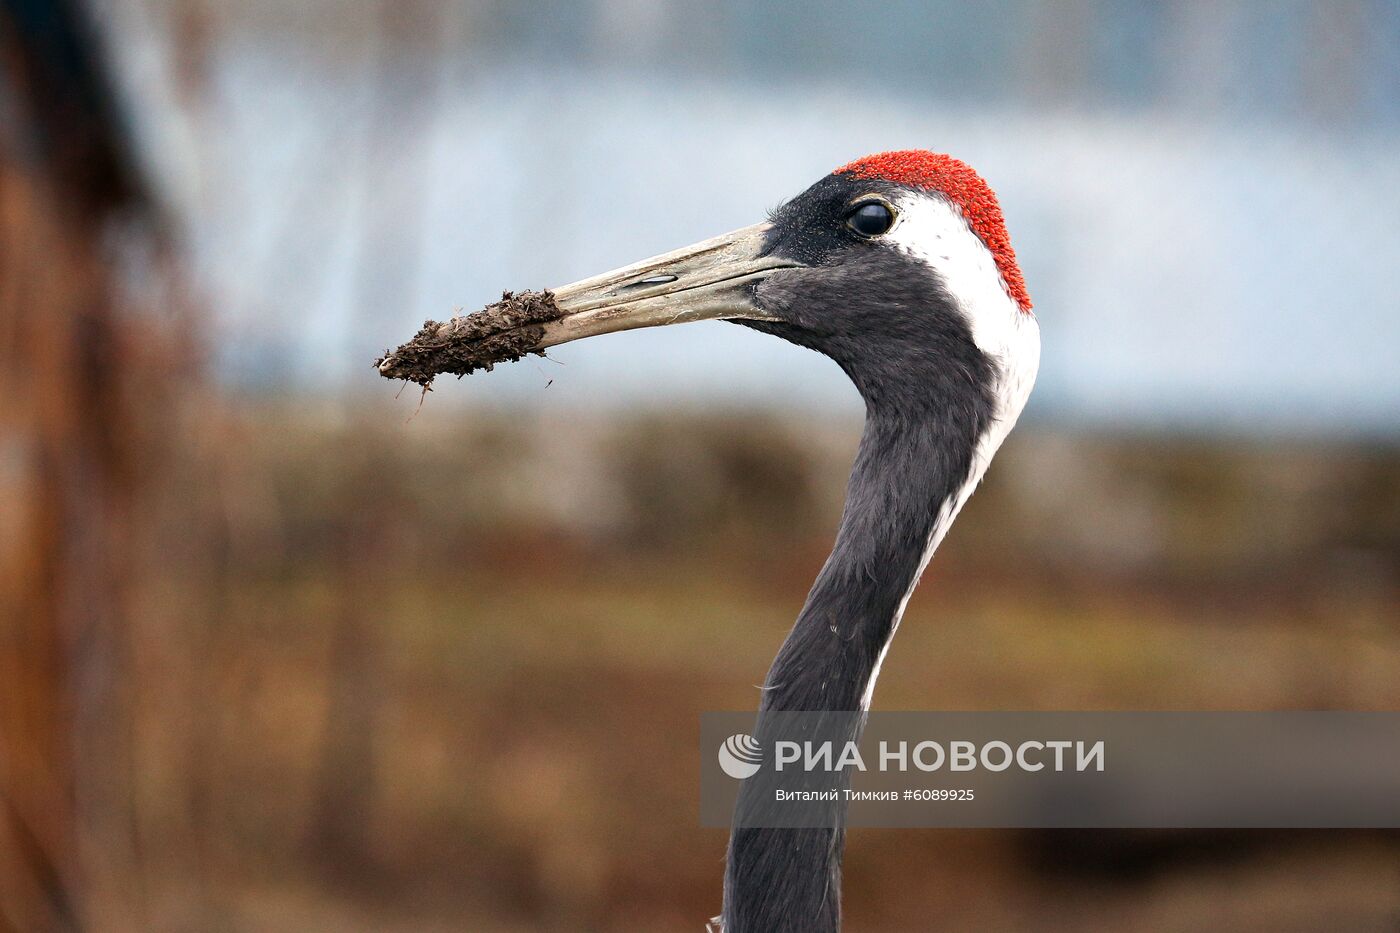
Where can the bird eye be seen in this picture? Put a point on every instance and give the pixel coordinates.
(870, 218)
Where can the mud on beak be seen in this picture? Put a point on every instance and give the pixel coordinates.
(711, 280)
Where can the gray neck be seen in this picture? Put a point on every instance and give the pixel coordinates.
(905, 473)
(913, 461)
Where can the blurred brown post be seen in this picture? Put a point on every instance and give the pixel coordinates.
(403, 104)
(68, 360)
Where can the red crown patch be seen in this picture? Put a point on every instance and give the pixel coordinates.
(960, 184)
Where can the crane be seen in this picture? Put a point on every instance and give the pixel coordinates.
(899, 268)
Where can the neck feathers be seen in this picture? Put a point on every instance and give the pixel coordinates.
(908, 474)
(920, 457)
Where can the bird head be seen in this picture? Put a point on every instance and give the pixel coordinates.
(897, 266)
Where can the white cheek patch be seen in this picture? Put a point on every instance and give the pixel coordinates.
(929, 228)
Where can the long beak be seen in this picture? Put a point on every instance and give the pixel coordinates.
(710, 280)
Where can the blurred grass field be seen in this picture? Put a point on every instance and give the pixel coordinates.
(447, 673)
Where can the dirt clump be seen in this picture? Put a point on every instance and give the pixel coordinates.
(501, 332)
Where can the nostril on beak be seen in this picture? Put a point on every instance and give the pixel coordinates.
(650, 280)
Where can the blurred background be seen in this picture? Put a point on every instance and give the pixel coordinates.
(285, 649)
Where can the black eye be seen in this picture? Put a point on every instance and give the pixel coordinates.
(871, 218)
